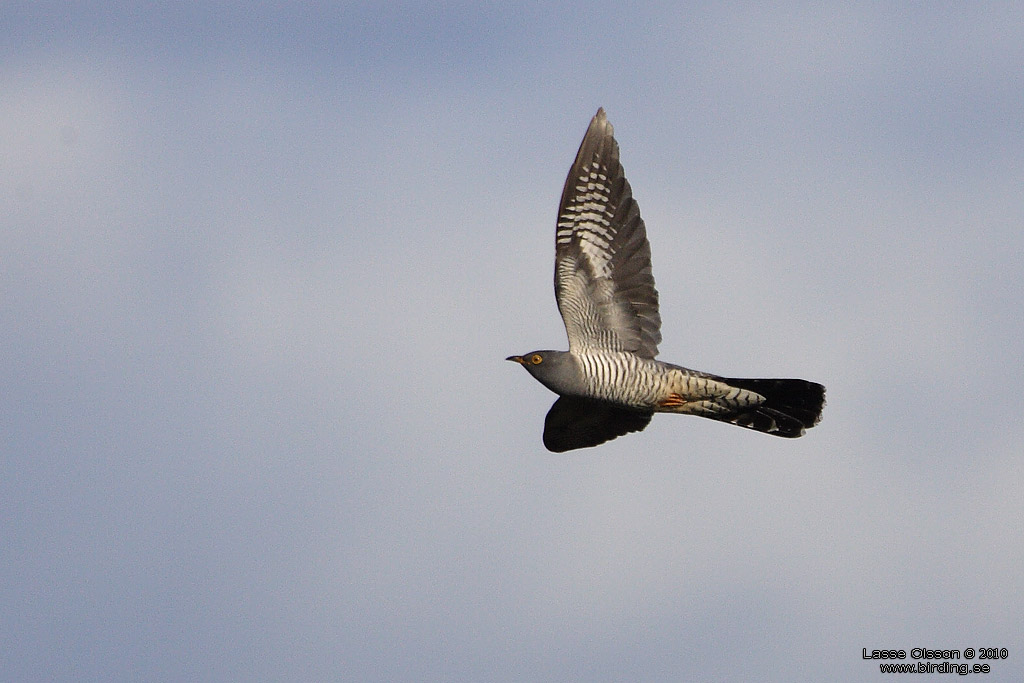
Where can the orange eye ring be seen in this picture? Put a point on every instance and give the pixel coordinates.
(536, 359)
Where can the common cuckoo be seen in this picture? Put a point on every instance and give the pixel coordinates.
(609, 382)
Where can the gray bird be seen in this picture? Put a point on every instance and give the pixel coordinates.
(608, 382)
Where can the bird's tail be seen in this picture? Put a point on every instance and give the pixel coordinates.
(791, 406)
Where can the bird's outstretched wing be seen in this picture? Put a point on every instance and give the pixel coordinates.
(583, 422)
(603, 280)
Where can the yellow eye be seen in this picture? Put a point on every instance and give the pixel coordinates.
(536, 359)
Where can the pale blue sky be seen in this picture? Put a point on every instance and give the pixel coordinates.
(261, 267)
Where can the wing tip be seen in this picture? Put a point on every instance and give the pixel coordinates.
(600, 122)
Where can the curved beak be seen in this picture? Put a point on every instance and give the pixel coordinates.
(516, 359)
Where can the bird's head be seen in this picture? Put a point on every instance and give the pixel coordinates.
(556, 370)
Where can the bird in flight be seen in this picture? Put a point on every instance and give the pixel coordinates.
(608, 382)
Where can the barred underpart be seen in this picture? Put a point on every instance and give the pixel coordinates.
(782, 407)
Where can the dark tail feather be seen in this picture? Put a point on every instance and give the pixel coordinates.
(792, 406)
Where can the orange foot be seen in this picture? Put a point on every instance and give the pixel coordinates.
(672, 401)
